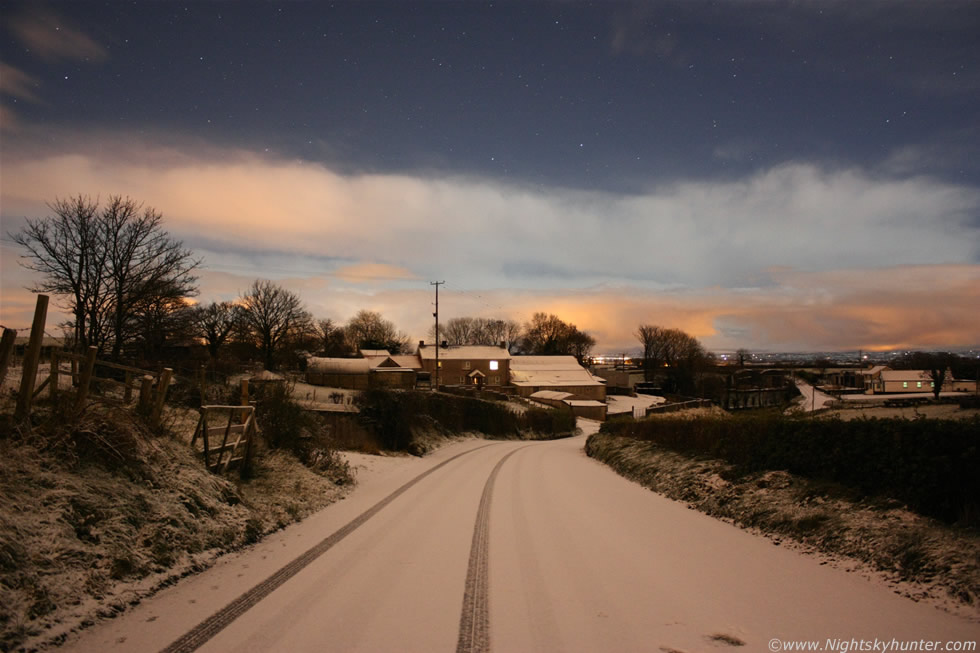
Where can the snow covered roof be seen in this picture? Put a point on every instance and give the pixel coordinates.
(464, 352)
(905, 375)
(410, 361)
(339, 365)
(374, 353)
(549, 370)
(266, 376)
(874, 370)
(551, 394)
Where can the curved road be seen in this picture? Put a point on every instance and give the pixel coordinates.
(514, 546)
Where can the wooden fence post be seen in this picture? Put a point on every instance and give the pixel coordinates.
(249, 432)
(31, 358)
(6, 351)
(244, 396)
(204, 434)
(88, 368)
(128, 392)
(55, 362)
(161, 396)
(146, 395)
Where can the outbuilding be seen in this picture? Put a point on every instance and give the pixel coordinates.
(531, 374)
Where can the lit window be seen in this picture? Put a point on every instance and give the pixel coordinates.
(918, 384)
(494, 365)
(932, 384)
(905, 384)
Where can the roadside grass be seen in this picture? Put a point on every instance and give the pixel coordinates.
(930, 464)
(918, 556)
(98, 512)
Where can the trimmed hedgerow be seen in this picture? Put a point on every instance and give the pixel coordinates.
(395, 416)
(929, 464)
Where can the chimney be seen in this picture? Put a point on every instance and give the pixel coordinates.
(445, 344)
(421, 344)
(503, 344)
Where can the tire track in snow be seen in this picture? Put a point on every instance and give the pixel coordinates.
(474, 621)
(207, 629)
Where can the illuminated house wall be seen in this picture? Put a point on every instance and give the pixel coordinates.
(467, 364)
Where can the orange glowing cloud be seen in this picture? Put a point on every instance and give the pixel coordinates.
(367, 272)
(796, 257)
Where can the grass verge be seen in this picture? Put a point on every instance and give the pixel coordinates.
(96, 513)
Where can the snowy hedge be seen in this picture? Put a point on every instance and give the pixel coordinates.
(396, 416)
(930, 464)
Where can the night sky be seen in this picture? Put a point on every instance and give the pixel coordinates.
(762, 174)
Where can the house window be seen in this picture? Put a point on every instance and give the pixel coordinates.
(905, 384)
(466, 365)
(932, 384)
(918, 384)
(462, 380)
(495, 380)
(494, 365)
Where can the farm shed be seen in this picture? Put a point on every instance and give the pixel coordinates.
(359, 373)
(588, 408)
(531, 374)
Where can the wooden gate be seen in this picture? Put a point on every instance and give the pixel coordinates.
(236, 432)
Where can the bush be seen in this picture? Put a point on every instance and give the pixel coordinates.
(929, 464)
(287, 425)
(550, 422)
(283, 422)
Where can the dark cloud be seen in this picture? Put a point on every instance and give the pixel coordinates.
(53, 37)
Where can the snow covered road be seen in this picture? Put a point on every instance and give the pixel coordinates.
(514, 546)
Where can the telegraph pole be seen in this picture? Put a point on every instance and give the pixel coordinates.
(436, 315)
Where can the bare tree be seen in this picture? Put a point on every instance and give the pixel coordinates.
(369, 330)
(66, 249)
(214, 322)
(142, 263)
(455, 331)
(550, 335)
(651, 339)
(478, 331)
(160, 320)
(270, 316)
(679, 355)
(492, 331)
(108, 264)
(331, 339)
(743, 356)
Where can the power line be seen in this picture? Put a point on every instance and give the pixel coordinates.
(477, 296)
